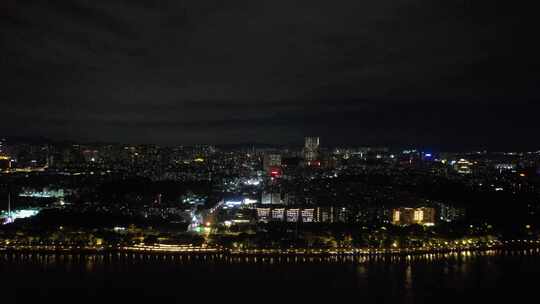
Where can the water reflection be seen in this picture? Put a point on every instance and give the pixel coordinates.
(461, 259)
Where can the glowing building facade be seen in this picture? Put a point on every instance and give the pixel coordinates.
(304, 215)
(271, 198)
(463, 166)
(293, 215)
(311, 149)
(409, 216)
(271, 162)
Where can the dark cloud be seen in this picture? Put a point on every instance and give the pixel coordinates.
(452, 73)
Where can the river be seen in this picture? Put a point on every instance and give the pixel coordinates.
(435, 278)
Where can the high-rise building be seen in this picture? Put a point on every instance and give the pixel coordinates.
(408, 216)
(271, 161)
(278, 214)
(331, 214)
(271, 198)
(263, 214)
(290, 215)
(307, 215)
(272, 165)
(289, 198)
(463, 166)
(311, 149)
(449, 213)
(293, 215)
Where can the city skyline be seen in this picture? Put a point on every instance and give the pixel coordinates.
(151, 148)
(295, 143)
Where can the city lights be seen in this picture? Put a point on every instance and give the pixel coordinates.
(152, 148)
(276, 202)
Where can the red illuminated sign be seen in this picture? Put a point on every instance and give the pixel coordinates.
(275, 172)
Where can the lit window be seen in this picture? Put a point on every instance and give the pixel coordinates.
(396, 216)
(418, 215)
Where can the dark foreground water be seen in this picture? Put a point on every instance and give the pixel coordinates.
(481, 277)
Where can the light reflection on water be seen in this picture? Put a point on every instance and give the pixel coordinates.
(393, 278)
(91, 260)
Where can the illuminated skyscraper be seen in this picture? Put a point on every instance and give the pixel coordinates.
(271, 198)
(278, 214)
(293, 215)
(463, 166)
(307, 215)
(271, 162)
(311, 149)
(408, 216)
(263, 214)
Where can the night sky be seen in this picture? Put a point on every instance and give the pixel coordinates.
(441, 73)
